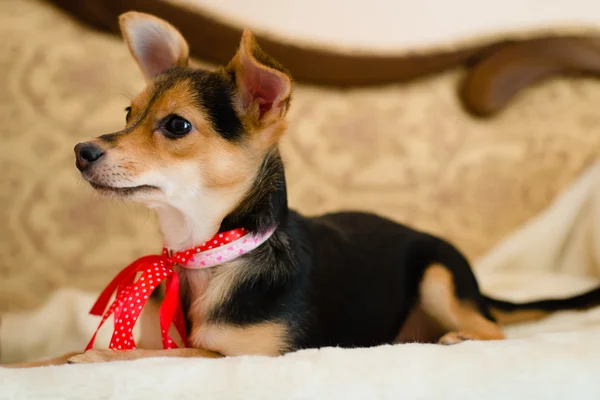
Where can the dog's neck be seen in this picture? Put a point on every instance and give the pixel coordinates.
(263, 206)
(179, 230)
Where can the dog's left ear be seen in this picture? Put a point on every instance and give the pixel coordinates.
(263, 86)
(155, 44)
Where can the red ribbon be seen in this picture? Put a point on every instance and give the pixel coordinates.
(132, 294)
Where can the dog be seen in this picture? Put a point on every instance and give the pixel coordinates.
(201, 148)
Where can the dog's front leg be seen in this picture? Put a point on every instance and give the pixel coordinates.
(45, 363)
(103, 355)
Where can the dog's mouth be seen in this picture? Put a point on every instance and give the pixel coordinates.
(122, 191)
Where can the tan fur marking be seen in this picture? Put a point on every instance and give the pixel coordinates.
(514, 317)
(222, 164)
(150, 338)
(419, 327)
(103, 355)
(54, 361)
(208, 289)
(438, 299)
(267, 338)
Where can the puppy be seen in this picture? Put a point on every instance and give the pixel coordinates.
(201, 148)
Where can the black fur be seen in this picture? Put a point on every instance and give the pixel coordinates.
(109, 138)
(582, 301)
(344, 279)
(214, 92)
(265, 205)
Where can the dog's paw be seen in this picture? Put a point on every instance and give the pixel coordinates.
(93, 356)
(454, 338)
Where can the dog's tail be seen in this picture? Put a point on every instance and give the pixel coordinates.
(506, 312)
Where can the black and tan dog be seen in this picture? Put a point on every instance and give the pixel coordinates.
(201, 148)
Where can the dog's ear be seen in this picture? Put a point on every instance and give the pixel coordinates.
(155, 44)
(263, 86)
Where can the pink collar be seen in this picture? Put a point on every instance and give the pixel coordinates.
(221, 248)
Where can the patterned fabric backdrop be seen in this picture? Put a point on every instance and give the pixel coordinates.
(405, 151)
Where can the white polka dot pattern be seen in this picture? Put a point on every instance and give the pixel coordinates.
(132, 296)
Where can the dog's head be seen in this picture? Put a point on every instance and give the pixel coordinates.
(192, 135)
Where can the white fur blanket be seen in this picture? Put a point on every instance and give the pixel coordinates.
(558, 366)
(555, 254)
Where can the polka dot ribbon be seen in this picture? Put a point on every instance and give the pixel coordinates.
(132, 294)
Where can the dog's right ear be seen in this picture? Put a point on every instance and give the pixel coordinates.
(155, 44)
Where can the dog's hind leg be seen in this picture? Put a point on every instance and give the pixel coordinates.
(459, 316)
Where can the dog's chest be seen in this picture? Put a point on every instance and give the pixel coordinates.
(206, 290)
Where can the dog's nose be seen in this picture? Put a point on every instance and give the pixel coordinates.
(86, 154)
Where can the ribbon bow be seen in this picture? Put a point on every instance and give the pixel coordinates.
(132, 294)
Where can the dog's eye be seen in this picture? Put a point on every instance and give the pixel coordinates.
(128, 111)
(175, 126)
